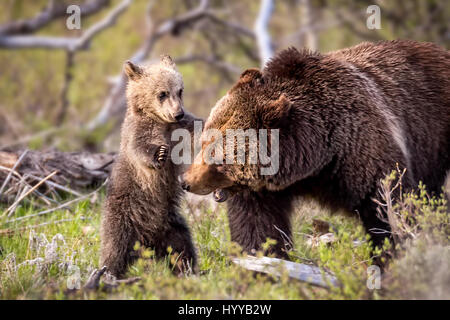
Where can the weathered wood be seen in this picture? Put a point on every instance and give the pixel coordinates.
(273, 266)
(70, 44)
(109, 282)
(74, 170)
(10, 210)
(8, 159)
(13, 161)
(53, 11)
(262, 34)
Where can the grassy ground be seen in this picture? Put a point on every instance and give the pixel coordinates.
(40, 261)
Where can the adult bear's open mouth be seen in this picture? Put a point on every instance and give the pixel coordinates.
(220, 195)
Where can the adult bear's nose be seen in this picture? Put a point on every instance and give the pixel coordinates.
(184, 184)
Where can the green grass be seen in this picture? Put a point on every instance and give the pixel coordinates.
(77, 248)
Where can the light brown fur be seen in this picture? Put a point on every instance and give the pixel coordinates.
(143, 193)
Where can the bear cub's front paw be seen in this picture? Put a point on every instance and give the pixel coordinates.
(161, 155)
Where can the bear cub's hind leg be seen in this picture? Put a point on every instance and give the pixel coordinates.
(178, 238)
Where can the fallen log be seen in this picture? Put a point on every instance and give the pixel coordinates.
(73, 170)
(273, 266)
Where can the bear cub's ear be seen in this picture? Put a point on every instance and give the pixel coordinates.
(167, 61)
(132, 70)
(274, 113)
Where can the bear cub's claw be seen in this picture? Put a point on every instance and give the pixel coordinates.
(110, 282)
(161, 155)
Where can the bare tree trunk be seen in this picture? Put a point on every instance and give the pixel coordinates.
(262, 31)
(309, 16)
(68, 76)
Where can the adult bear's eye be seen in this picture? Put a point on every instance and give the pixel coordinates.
(163, 95)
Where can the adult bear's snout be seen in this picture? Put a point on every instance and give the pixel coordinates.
(183, 183)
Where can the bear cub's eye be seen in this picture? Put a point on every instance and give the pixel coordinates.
(180, 93)
(162, 95)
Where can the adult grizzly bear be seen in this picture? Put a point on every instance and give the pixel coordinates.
(345, 120)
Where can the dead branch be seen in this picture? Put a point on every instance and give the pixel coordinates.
(75, 170)
(391, 193)
(58, 186)
(212, 61)
(64, 92)
(231, 26)
(12, 208)
(309, 15)
(59, 207)
(53, 11)
(262, 33)
(8, 157)
(69, 44)
(110, 282)
(273, 266)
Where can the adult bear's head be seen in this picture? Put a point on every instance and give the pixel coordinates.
(232, 130)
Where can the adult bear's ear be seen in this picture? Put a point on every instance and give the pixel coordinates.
(133, 71)
(250, 75)
(276, 112)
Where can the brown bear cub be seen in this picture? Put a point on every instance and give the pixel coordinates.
(143, 192)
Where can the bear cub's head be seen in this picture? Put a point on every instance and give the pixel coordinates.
(156, 91)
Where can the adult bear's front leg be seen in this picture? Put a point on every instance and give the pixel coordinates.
(255, 216)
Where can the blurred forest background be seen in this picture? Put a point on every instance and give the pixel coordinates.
(64, 88)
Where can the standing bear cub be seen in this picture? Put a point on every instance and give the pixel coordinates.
(143, 192)
(345, 120)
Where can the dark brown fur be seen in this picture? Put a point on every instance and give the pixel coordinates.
(143, 192)
(346, 119)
